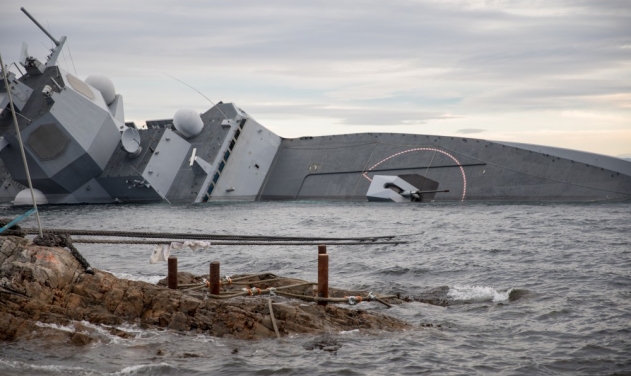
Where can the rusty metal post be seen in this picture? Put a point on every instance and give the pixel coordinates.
(214, 279)
(172, 274)
(322, 249)
(323, 274)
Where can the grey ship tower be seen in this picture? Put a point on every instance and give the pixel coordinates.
(80, 150)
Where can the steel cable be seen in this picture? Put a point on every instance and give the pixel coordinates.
(161, 235)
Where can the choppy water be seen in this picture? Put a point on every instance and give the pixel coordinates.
(572, 263)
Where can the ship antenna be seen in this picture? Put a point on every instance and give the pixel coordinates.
(200, 93)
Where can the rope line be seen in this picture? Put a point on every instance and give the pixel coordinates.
(162, 235)
(257, 243)
(279, 291)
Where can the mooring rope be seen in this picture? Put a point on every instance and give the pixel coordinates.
(279, 291)
(169, 241)
(177, 235)
(63, 240)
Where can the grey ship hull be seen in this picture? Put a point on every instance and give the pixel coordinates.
(340, 168)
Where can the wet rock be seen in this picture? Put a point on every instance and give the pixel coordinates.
(121, 333)
(324, 343)
(190, 355)
(436, 296)
(80, 339)
(179, 322)
(517, 294)
(48, 285)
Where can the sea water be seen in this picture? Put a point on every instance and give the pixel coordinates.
(530, 289)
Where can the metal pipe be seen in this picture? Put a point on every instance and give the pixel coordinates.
(215, 282)
(40, 26)
(323, 277)
(172, 274)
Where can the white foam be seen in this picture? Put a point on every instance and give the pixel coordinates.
(14, 364)
(102, 331)
(132, 370)
(477, 293)
(63, 328)
(153, 279)
(352, 331)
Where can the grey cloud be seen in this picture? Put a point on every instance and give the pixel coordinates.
(352, 116)
(470, 130)
(493, 58)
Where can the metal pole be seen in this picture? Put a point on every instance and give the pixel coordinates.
(172, 274)
(214, 278)
(322, 249)
(5, 73)
(323, 274)
(40, 26)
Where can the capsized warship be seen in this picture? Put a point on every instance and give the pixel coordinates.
(80, 150)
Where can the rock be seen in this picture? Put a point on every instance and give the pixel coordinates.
(80, 339)
(121, 333)
(324, 343)
(47, 284)
(436, 296)
(179, 322)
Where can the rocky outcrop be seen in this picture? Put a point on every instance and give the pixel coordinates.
(47, 285)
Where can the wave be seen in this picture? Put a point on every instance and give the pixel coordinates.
(18, 366)
(469, 293)
(145, 369)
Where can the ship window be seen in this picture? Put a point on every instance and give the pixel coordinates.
(222, 165)
(210, 189)
(226, 156)
(242, 124)
(237, 133)
(231, 145)
(216, 177)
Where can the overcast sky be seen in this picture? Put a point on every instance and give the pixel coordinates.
(550, 72)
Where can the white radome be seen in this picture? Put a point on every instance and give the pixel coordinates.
(24, 198)
(104, 85)
(188, 122)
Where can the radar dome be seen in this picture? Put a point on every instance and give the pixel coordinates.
(188, 122)
(104, 85)
(24, 198)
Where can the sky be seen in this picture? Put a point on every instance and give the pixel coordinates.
(549, 72)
